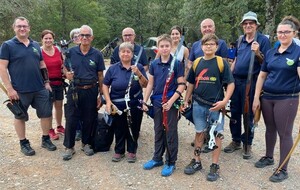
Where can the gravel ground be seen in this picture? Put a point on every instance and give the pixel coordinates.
(47, 170)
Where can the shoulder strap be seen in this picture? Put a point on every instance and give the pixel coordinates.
(239, 41)
(219, 61)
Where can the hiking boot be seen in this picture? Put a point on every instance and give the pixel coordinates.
(26, 148)
(131, 158)
(117, 157)
(213, 174)
(247, 154)
(151, 164)
(264, 161)
(192, 167)
(53, 135)
(86, 148)
(78, 135)
(233, 146)
(280, 176)
(167, 170)
(68, 154)
(47, 144)
(60, 129)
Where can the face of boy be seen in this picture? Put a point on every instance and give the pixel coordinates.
(164, 48)
(210, 47)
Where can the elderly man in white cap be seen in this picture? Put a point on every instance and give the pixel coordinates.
(252, 40)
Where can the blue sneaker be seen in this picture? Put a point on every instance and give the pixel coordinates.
(151, 164)
(167, 170)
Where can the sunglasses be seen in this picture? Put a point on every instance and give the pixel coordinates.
(85, 35)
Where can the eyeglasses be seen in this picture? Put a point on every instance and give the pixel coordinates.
(284, 32)
(248, 23)
(22, 26)
(75, 37)
(128, 35)
(209, 44)
(85, 35)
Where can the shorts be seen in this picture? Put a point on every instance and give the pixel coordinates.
(39, 100)
(57, 92)
(202, 116)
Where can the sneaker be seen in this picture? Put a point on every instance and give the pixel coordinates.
(247, 154)
(60, 129)
(68, 154)
(26, 149)
(151, 164)
(167, 170)
(192, 167)
(47, 144)
(78, 135)
(213, 174)
(233, 146)
(131, 158)
(117, 157)
(86, 148)
(264, 161)
(280, 176)
(53, 135)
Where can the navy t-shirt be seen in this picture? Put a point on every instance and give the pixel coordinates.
(244, 54)
(24, 65)
(85, 67)
(117, 77)
(282, 72)
(160, 73)
(210, 84)
(143, 59)
(196, 50)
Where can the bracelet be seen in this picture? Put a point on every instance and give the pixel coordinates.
(178, 93)
(47, 81)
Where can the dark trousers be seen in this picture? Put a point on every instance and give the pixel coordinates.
(85, 110)
(122, 134)
(171, 136)
(237, 109)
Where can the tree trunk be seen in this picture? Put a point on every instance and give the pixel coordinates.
(271, 8)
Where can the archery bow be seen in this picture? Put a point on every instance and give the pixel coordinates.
(246, 114)
(165, 91)
(127, 96)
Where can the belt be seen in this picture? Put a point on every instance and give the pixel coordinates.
(123, 99)
(198, 99)
(271, 94)
(86, 86)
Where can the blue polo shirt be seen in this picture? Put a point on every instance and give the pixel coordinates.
(85, 67)
(196, 50)
(143, 59)
(24, 65)
(160, 72)
(244, 54)
(282, 70)
(117, 77)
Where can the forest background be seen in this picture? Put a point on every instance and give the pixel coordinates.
(147, 17)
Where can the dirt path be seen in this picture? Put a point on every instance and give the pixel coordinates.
(47, 170)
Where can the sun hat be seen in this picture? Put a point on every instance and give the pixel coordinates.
(250, 16)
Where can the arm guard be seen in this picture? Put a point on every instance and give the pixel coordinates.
(45, 75)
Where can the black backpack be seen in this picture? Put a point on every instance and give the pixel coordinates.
(103, 135)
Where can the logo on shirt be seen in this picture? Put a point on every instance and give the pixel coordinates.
(92, 63)
(35, 50)
(289, 62)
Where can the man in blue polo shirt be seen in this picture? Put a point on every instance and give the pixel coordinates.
(128, 35)
(25, 76)
(240, 69)
(84, 67)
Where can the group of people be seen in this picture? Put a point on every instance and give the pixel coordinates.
(268, 79)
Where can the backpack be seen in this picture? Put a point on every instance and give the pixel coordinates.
(103, 135)
(219, 61)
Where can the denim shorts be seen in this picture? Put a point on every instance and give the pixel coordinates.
(38, 100)
(203, 118)
(57, 92)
